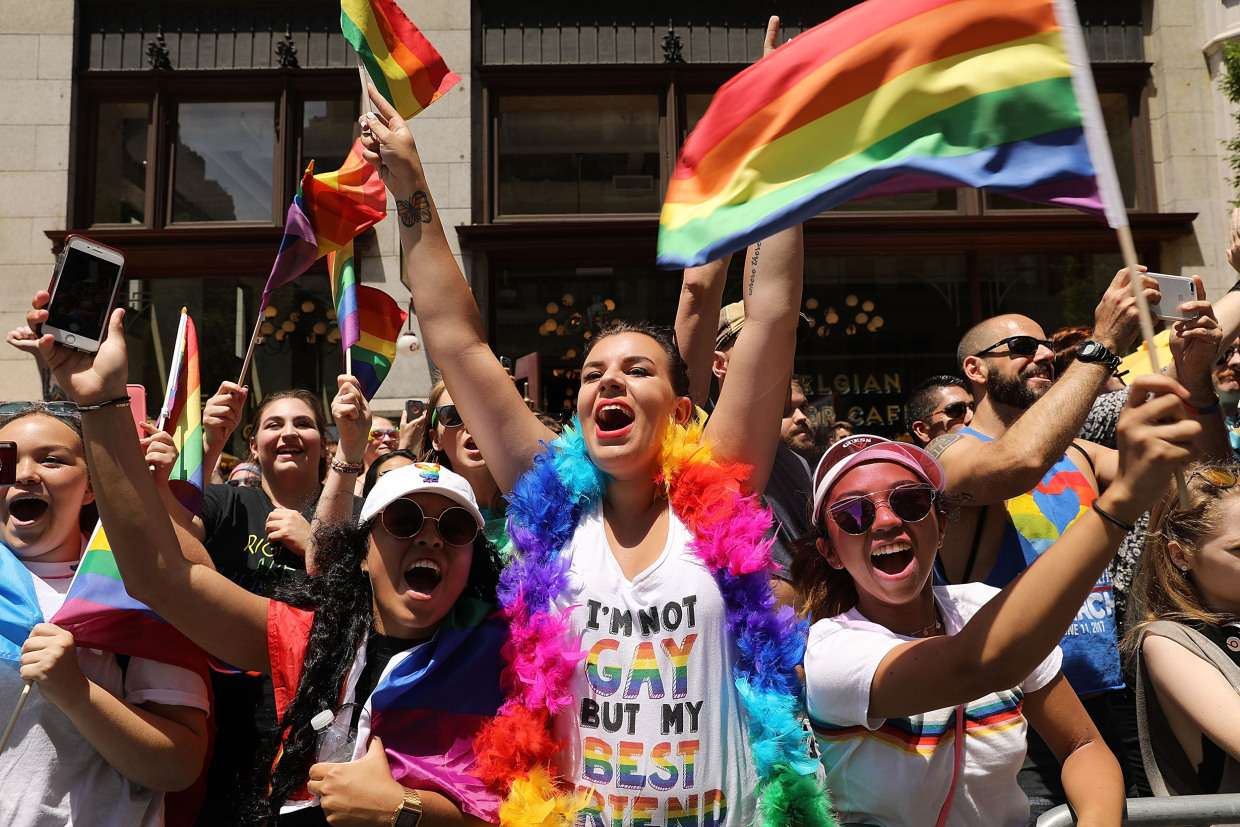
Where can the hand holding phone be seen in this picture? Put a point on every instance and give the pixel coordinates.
(1175, 291)
(83, 292)
(413, 409)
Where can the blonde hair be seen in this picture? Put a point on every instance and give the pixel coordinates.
(1160, 590)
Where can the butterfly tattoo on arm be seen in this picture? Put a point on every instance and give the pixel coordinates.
(417, 208)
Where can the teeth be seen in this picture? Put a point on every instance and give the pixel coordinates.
(894, 548)
(611, 408)
(425, 564)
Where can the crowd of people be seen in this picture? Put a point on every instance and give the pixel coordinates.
(684, 607)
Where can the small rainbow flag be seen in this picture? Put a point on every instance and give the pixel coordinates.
(379, 319)
(343, 203)
(101, 615)
(183, 406)
(298, 248)
(401, 62)
(344, 294)
(888, 97)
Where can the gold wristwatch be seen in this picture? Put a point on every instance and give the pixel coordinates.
(409, 813)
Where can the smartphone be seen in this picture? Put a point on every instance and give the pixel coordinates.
(84, 287)
(8, 462)
(1175, 291)
(413, 409)
(137, 406)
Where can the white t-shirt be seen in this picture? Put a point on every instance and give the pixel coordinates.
(657, 731)
(49, 774)
(897, 772)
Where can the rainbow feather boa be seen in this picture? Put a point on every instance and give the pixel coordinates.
(516, 751)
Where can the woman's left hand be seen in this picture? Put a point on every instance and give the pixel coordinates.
(1195, 344)
(359, 793)
(89, 378)
(290, 529)
(352, 414)
(161, 452)
(49, 658)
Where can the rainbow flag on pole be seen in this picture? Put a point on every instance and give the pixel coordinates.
(183, 408)
(343, 203)
(344, 294)
(101, 615)
(298, 248)
(401, 62)
(895, 96)
(379, 320)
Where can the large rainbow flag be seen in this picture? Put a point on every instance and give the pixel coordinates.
(888, 97)
(183, 408)
(379, 320)
(401, 62)
(342, 204)
(101, 615)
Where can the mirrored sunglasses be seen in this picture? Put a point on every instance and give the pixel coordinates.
(1018, 346)
(911, 503)
(404, 518)
(447, 416)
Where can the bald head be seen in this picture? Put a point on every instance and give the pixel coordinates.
(988, 331)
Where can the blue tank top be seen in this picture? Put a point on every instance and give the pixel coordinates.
(1037, 519)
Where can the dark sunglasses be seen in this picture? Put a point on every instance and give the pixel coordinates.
(377, 434)
(404, 519)
(911, 503)
(1226, 356)
(447, 416)
(955, 410)
(1019, 346)
(244, 482)
(69, 409)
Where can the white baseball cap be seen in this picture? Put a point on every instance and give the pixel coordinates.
(420, 476)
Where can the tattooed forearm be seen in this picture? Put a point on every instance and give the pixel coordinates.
(753, 265)
(417, 209)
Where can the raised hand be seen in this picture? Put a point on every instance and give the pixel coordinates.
(161, 451)
(221, 415)
(1116, 319)
(1154, 437)
(88, 378)
(1195, 345)
(352, 414)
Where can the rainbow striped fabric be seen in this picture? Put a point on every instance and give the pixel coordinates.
(298, 249)
(378, 322)
(343, 203)
(19, 605)
(101, 615)
(894, 96)
(183, 408)
(402, 63)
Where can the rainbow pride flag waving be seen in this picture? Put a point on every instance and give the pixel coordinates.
(100, 614)
(344, 203)
(183, 408)
(894, 96)
(401, 62)
(370, 322)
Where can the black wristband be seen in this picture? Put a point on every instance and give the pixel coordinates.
(123, 401)
(1235, 288)
(1111, 519)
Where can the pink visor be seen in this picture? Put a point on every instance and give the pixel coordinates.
(851, 451)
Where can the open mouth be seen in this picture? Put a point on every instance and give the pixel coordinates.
(612, 419)
(423, 576)
(472, 448)
(893, 560)
(27, 509)
(288, 451)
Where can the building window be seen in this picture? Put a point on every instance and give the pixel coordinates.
(224, 161)
(578, 154)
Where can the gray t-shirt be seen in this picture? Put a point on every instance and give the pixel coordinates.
(788, 495)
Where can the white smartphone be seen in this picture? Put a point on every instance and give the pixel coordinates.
(84, 287)
(1175, 291)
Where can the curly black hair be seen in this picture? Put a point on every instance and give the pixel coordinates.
(343, 613)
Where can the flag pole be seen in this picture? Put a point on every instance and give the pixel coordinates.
(4, 742)
(245, 365)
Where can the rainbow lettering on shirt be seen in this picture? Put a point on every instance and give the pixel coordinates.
(659, 755)
(645, 668)
(679, 656)
(714, 808)
(596, 760)
(643, 807)
(591, 814)
(680, 815)
(606, 679)
(688, 751)
(627, 754)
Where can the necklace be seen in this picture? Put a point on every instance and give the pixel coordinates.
(930, 629)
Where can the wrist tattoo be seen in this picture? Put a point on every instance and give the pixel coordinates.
(417, 209)
(753, 265)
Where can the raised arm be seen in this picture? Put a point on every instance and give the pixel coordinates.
(1010, 635)
(981, 473)
(697, 322)
(744, 427)
(211, 610)
(507, 433)
(351, 412)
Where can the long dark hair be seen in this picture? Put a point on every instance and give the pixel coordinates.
(343, 613)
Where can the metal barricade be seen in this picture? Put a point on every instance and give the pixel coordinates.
(1176, 811)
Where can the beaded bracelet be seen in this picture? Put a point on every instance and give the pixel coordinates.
(1112, 519)
(122, 401)
(346, 467)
